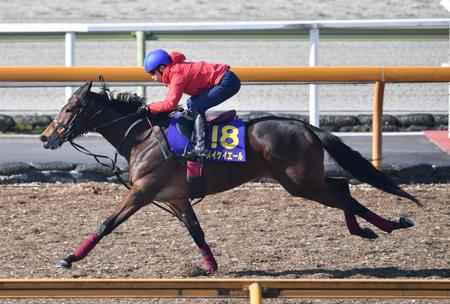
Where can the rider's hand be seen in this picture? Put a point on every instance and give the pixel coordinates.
(143, 109)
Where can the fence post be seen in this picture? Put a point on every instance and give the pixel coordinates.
(255, 293)
(70, 57)
(446, 5)
(313, 89)
(377, 124)
(140, 44)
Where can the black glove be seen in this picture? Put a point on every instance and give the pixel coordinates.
(143, 109)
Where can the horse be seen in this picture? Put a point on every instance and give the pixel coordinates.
(286, 150)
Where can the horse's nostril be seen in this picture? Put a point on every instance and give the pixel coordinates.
(43, 138)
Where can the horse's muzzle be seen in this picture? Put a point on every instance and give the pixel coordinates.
(51, 141)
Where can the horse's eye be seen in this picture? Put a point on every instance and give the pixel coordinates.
(69, 110)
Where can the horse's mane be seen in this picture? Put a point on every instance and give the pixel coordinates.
(125, 108)
(119, 106)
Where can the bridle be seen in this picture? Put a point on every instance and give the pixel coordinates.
(71, 133)
(70, 127)
(81, 112)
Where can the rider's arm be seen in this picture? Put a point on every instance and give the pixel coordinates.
(170, 103)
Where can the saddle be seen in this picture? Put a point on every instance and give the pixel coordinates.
(225, 140)
(225, 136)
(185, 123)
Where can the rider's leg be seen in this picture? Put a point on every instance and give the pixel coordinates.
(228, 86)
(199, 134)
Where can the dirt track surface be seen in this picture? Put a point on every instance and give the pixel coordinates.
(257, 230)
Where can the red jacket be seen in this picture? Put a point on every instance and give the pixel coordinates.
(192, 78)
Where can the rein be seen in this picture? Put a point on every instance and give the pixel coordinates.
(113, 166)
(70, 135)
(111, 122)
(116, 170)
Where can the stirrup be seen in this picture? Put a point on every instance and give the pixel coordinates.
(194, 155)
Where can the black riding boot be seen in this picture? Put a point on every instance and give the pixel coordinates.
(199, 151)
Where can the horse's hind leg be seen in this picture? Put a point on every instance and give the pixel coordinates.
(187, 215)
(386, 225)
(330, 192)
(340, 185)
(334, 192)
(352, 207)
(304, 177)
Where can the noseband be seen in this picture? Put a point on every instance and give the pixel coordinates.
(81, 112)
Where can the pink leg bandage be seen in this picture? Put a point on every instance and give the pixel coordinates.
(383, 224)
(208, 259)
(194, 168)
(89, 243)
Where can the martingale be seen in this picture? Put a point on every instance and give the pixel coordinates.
(225, 142)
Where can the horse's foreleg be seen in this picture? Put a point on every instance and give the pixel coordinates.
(188, 217)
(131, 204)
(355, 229)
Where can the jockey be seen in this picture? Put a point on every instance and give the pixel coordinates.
(207, 84)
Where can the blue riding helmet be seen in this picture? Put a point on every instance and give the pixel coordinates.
(155, 58)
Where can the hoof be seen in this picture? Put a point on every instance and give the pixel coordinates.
(210, 265)
(404, 222)
(211, 269)
(64, 264)
(208, 260)
(367, 233)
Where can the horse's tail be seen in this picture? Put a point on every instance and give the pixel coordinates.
(353, 162)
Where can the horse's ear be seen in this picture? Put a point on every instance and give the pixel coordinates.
(88, 85)
(84, 89)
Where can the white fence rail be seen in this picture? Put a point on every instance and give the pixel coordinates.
(192, 28)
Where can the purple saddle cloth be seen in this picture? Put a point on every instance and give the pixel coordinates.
(225, 137)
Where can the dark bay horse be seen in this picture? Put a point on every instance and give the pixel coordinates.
(286, 150)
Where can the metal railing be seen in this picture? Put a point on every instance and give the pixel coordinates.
(377, 75)
(261, 30)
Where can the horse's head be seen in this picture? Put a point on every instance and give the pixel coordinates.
(72, 120)
(87, 111)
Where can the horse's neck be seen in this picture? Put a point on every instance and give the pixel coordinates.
(115, 132)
